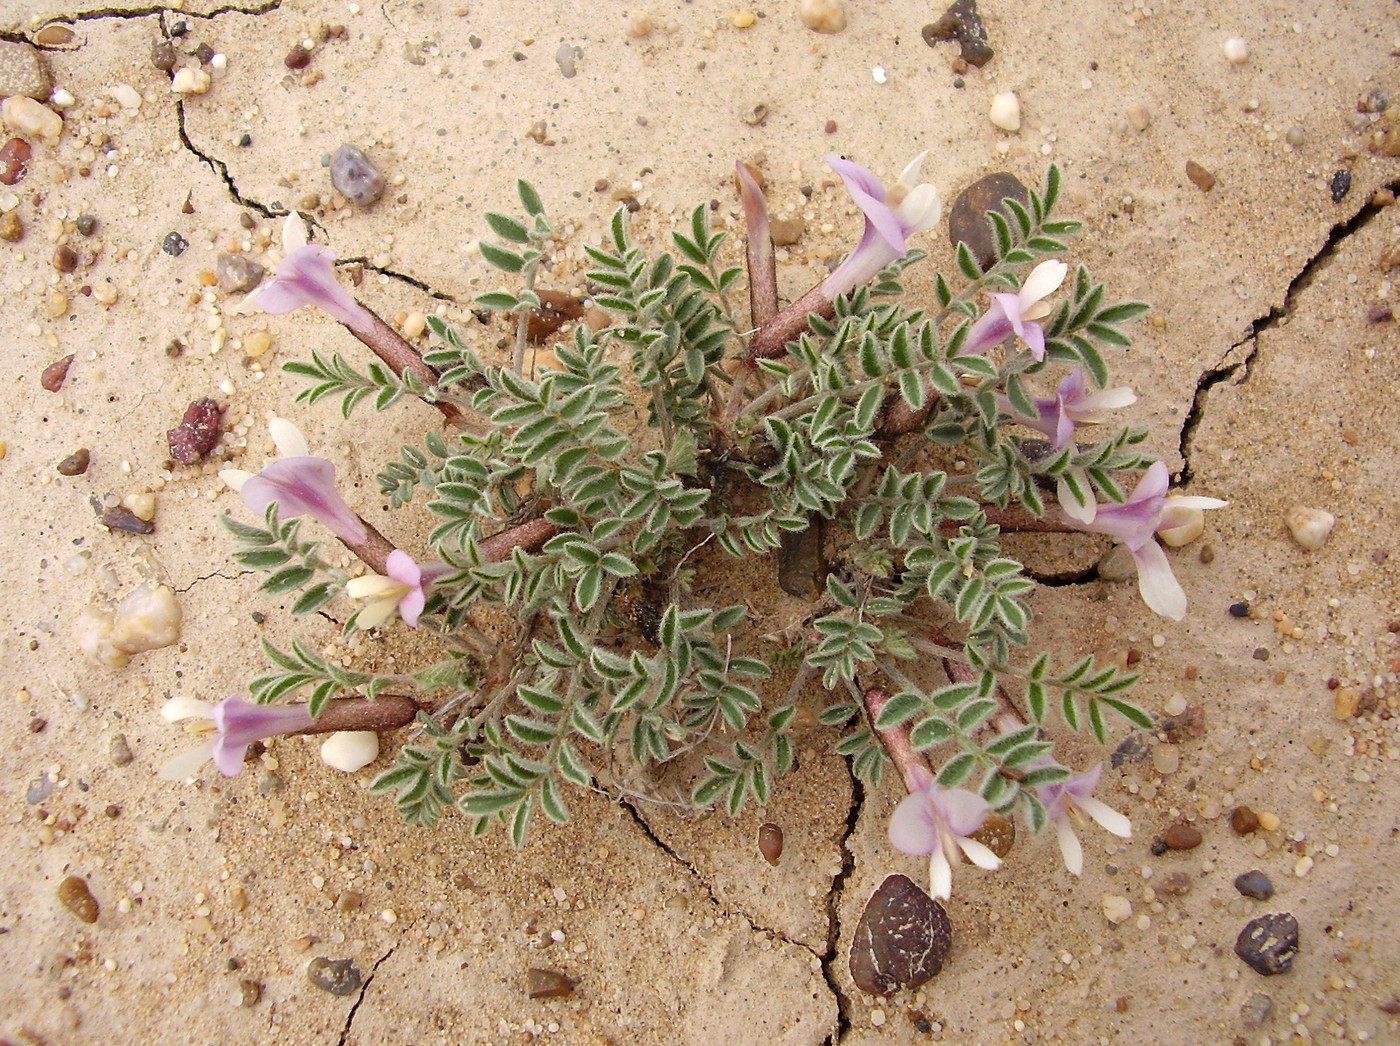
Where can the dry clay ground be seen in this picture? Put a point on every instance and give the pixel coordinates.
(1260, 375)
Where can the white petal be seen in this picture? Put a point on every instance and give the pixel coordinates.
(1160, 590)
(1044, 279)
(293, 233)
(1070, 849)
(1073, 509)
(909, 177)
(187, 763)
(376, 613)
(373, 586)
(978, 853)
(940, 875)
(350, 750)
(178, 708)
(1190, 501)
(1108, 818)
(288, 438)
(921, 208)
(235, 478)
(1109, 399)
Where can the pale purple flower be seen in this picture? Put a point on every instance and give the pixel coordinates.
(1018, 313)
(1072, 798)
(1135, 521)
(300, 484)
(403, 589)
(237, 724)
(305, 277)
(1056, 418)
(892, 215)
(937, 822)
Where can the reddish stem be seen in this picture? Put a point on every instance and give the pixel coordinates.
(771, 339)
(390, 346)
(385, 712)
(374, 550)
(913, 767)
(527, 536)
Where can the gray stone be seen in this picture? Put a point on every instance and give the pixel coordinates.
(22, 71)
(355, 177)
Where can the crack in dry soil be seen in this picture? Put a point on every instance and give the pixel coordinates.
(350, 1017)
(833, 913)
(1237, 373)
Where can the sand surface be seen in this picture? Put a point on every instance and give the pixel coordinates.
(1259, 372)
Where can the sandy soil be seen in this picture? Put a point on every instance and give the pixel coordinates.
(1259, 373)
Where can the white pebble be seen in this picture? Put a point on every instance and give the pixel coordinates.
(1236, 50)
(62, 98)
(1116, 909)
(1310, 527)
(350, 750)
(1303, 866)
(190, 81)
(1192, 525)
(879, 74)
(127, 96)
(1166, 759)
(823, 16)
(1006, 111)
(32, 118)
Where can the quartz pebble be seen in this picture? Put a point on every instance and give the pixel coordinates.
(1139, 117)
(1116, 909)
(823, 16)
(1310, 527)
(354, 177)
(127, 96)
(147, 618)
(30, 118)
(350, 750)
(337, 976)
(1006, 111)
(1166, 759)
(190, 80)
(1236, 50)
(237, 274)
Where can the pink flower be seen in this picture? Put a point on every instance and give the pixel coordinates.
(891, 216)
(301, 485)
(937, 821)
(1071, 798)
(1017, 313)
(404, 590)
(305, 277)
(1135, 521)
(238, 724)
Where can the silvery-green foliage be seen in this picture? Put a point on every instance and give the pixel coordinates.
(587, 683)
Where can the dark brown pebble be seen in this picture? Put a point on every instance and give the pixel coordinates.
(1200, 177)
(337, 976)
(14, 161)
(770, 842)
(556, 309)
(1269, 943)
(962, 23)
(78, 899)
(65, 259)
(902, 939)
(548, 984)
(1188, 726)
(967, 221)
(163, 56)
(249, 992)
(1182, 837)
(1261, 653)
(119, 517)
(197, 434)
(203, 54)
(830, 127)
(1177, 884)
(56, 373)
(297, 58)
(1240, 609)
(37, 725)
(11, 228)
(112, 810)
(997, 834)
(1379, 313)
(1243, 820)
(1254, 884)
(119, 751)
(75, 464)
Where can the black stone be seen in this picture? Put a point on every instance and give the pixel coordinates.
(175, 244)
(902, 939)
(1341, 184)
(1240, 609)
(1269, 943)
(1254, 884)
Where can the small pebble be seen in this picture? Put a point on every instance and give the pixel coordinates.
(11, 228)
(742, 19)
(1310, 527)
(770, 842)
(349, 901)
(354, 177)
(1295, 136)
(901, 940)
(75, 464)
(1269, 821)
(119, 751)
(1254, 884)
(414, 324)
(174, 244)
(1236, 50)
(1116, 909)
(1380, 313)
(337, 976)
(14, 161)
(1269, 943)
(297, 58)
(86, 223)
(237, 274)
(350, 750)
(638, 24)
(1166, 759)
(1256, 1010)
(1139, 117)
(249, 992)
(121, 518)
(163, 55)
(31, 119)
(1340, 184)
(1240, 609)
(198, 431)
(567, 59)
(56, 373)
(189, 81)
(1182, 837)
(547, 984)
(256, 343)
(65, 259)
(1175, 884)
(1006, 111)
(78, 899)
(1200, 177)
(822, 16)
(1243, 820)
(787, 231)
(127, 96)
(55, 34)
